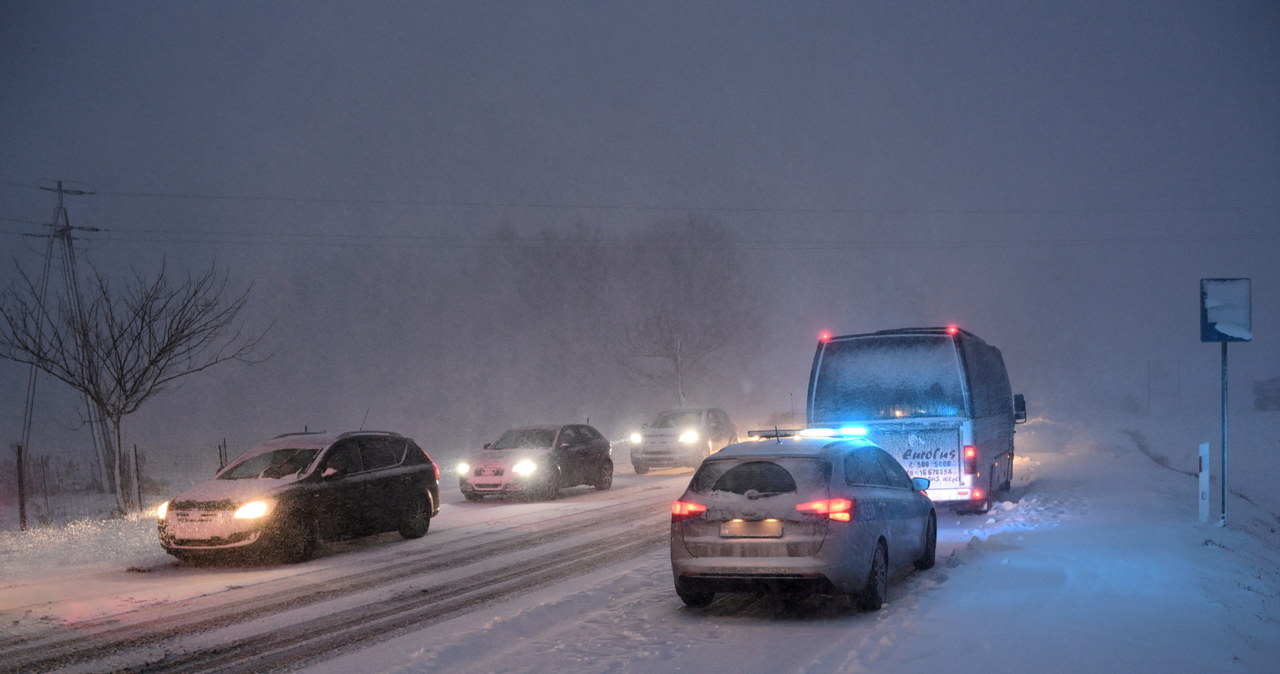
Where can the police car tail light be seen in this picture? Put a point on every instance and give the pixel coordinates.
(686, 510)
(970, 459)
(838, 509)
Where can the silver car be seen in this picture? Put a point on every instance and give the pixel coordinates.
(681, 437)
(800, 515)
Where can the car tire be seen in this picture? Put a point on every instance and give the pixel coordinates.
(874, 593)
(706, 451)
(695, 599)
(415, 521)
(552, 489)
(297, 539)
(605, 479)
(640, 468)
(930, 555)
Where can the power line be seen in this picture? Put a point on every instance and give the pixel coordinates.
(444, 203)
(205, 237)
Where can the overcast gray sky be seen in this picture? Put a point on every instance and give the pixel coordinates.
(1056, 176)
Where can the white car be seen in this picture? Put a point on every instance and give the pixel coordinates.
(681, 437)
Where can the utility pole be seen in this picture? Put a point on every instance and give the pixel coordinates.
(60, 238)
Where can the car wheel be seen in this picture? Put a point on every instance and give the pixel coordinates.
(416, 519)
(640, 468)
(552, 488)
(695, 599)
(930, 554)
(296, 540)
(877, 588)
(605, 479)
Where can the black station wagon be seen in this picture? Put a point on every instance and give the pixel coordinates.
(283, 497)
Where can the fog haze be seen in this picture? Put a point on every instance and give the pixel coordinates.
(452, 214)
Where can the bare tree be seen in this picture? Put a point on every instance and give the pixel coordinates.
(126, 347)
(695, 306)
(667, 351)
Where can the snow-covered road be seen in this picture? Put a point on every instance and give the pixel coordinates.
(1095, 563)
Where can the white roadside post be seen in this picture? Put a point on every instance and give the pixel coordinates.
(1225, 316)
(1204, 482)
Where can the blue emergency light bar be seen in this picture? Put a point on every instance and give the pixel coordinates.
(843, 432)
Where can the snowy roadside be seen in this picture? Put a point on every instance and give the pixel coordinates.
(84, 544)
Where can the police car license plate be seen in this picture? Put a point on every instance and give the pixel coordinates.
(751, 529)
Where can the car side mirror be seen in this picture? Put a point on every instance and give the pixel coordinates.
(487, 445)
(331, 473)
(920, 483)
(1019, 409)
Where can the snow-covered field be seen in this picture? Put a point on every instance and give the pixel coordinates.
(1095, 563)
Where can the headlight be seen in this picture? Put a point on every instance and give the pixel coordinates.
(253, 510)
(162, 510)
(525, 467)
(636, 438)
(464, 468)
(689, 437)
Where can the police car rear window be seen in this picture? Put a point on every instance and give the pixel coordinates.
(785, 476)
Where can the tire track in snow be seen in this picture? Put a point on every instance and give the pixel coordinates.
(309, 641)
(153, 625)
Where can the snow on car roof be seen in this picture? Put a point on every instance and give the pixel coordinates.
(792, 446)
(318, 440)
(536, 427)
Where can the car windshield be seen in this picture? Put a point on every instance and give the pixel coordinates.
(525, 438)
(274, 464)
(888, 378)
(678, 420)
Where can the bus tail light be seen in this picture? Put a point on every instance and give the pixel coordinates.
(970, 459)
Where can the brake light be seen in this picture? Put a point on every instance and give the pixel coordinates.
(953, 330)
(970, 459)
(824, 336)
(838, 509)
(977, 495)
(686, 510)
(434, 466)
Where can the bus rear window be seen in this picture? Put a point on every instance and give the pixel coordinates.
(885, 378)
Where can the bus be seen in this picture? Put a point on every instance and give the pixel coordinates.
(937, 399)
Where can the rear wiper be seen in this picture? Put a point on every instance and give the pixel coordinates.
(753, 494)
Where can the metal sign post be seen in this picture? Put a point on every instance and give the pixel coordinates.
(1204, 482)
(1225, 316)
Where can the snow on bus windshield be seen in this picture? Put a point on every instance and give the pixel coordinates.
(898, 377)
